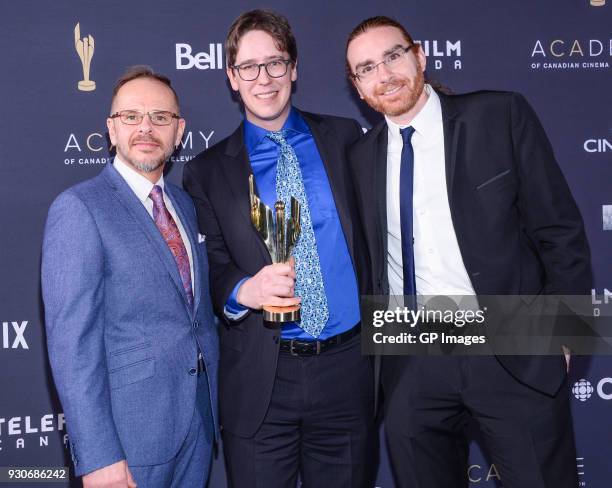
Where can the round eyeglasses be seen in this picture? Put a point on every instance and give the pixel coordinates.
(391, 60)
(277, 68)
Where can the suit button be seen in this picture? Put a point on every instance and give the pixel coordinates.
(275, 339)
(196, 324)
(193, 371)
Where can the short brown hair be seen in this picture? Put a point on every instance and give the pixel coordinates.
(143, 71)
(274, 24)
(371, 23)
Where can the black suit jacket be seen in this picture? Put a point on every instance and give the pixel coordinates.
(517, 225)
(217, 179)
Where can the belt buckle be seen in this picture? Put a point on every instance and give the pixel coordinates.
(291, 348)
(318, 348)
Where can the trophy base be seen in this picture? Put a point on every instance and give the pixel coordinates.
(281, 315)
(86, 85)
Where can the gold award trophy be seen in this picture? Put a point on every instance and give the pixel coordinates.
(85, 49)
(280, 239)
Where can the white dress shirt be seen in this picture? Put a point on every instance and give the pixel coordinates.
(142, 188)
(439, 267)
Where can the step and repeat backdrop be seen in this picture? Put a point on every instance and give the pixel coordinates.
(53, 134)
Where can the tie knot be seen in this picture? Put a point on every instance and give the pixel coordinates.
(278, 137)
(406, 133)
(157, 196)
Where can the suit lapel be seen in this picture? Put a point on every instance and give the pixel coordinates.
(380, 185)
(334, 165)
(452, 133)
(237, 170)
(136, 209)
(192, 235)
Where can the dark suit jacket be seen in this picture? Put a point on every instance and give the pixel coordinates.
(517, 225)
(217, 179)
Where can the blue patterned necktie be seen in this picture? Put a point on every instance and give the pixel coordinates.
(309, 281)
(406, 193)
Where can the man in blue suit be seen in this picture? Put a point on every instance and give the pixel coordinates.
(130, 328)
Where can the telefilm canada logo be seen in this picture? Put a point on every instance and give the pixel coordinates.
(571, 54)
(442, 53)
(208, 58)
(27, 431)
(14, 334)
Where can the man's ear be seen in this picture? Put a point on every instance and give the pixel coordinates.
(231, 75)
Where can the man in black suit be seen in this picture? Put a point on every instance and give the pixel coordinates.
(296, 400)
(461, 195)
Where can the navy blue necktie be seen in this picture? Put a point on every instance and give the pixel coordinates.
(406, 191)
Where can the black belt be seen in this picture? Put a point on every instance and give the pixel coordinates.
(297, 347)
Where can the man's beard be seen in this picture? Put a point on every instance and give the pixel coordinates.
(404, 103)
(145, 165)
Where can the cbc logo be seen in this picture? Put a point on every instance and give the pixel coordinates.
(583, 390)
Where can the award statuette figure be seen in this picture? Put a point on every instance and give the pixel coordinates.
(280, 239)
(85, 49)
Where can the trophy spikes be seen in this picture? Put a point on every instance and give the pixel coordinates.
(280, 237)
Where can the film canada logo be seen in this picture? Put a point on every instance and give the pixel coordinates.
(13, 335)
(187, 59)
(442, 53)
(85, 48)
(21, 432)
(570, 54)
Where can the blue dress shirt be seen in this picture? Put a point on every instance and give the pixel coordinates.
(336, 265)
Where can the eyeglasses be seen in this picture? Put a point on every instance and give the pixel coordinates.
(391, 60)
(275, 69)
(134, 117)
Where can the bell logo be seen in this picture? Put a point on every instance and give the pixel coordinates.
(213, 59)
(582, 390)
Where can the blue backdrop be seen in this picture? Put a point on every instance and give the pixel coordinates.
(53, 135)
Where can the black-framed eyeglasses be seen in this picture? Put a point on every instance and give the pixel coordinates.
(391, 60)
(134, 117)
(277, 68)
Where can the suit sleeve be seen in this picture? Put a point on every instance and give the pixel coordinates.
(73, 293)
(224, 274)
(550, 214)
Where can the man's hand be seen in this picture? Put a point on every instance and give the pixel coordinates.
(113, 476)
(272, 285)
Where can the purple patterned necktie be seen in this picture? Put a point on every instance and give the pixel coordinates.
(169, 230)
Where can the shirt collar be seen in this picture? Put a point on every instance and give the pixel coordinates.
(426, 121)
(140, 185)
(254, 135)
